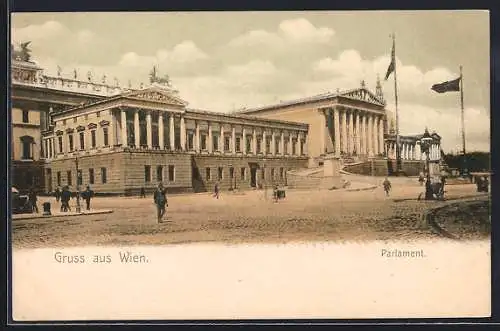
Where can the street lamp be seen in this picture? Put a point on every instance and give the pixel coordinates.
(78, 208)
(425, 144)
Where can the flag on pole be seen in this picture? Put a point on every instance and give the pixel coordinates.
(392, 65)
(449, 86)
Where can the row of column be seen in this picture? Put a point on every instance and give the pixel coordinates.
(354, 131)
(412, 151)
(247, 133)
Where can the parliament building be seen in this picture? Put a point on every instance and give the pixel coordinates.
(119, 140)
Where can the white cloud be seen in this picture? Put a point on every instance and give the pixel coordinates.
(185, 52)
(289, 31)
(85, 36)
(35, 32)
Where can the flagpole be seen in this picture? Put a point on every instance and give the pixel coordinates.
(463, 120)
(398, 142)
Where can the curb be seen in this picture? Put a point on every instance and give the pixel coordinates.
(362, 189)
(60, 215)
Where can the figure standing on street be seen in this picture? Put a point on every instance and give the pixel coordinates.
(216, 190)
(87, 195)
(65, 197)
(33, 199)
(160, 199)
(57, 193)
(387, 186)
(143, 192)
(421, 179)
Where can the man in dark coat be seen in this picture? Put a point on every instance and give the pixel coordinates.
(160, 200)
(87, 195)
(33, 200)
(65, 197)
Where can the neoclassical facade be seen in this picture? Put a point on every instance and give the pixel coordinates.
(349, 124)
(138, 138)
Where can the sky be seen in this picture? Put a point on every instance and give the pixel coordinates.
(224, 61)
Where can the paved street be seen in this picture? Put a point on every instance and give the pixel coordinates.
(242, 217)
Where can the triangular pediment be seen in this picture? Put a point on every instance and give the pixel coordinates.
(362, 94)
(156, 94)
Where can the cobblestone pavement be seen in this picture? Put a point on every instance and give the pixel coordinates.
(243, 217)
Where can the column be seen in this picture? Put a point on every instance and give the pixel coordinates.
(149, 132)
(369, 135)
(365, 134)
(336, 123)
(182, 133)
(161, 133)
(282, 142)
(418, 151)
(351, 132)
(111, 129)
(375, 135)
(323, 128)
(137, 129)
(254, 142)
(221, 138)
(197, 136)
(299, 145)
(381, 134)
(343, 126)
(273, 143)
(290, 143)
(233, 139)
(210, 139)
(358, 134)
(244, 140)
(171, 131)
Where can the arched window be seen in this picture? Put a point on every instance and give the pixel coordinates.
(26, 146)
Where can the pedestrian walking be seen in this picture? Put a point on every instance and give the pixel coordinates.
(421, 179)
(33, 200)
(160, 199)
(387, 186)
(65, 197)
(143, 192)
(216, 190)
(87, 195)
(57, 194)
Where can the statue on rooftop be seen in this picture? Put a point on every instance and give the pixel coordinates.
(23, 54)
(89, 76)
(153, 78)
(75, 74)
(59, 70)
(104, 79)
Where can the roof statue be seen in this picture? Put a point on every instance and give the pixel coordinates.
(59, 70)
(363, 84)
(104, 79)
(23, 54)
(154, 78)
(75, 74)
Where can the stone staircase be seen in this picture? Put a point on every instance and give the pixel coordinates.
(312, 178)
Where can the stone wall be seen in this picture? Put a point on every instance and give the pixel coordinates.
(385, 167)
(204, 181)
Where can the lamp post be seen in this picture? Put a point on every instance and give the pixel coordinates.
(231, 175)
(425, 143)
(78, 208)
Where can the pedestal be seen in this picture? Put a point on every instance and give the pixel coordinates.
(331, 171)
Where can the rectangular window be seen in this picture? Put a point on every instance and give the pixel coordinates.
(226, 143)
(249, 144)
(268, 144)
(281, 173)
(208, 174)
(159, 173)
(64, 122)
(263, 173)
(238, 144)
(105, 136)
(272, 173)
(277, 145)
(203, 142)
(286, 151)
(26, 150)
(91, 176)
(147, 173)
(68, 177)
(70, 140)
(58, 178)
(190, 141)
(231, 172)
(171, 173)
(220, 173)
(259, 145)
(294, 146)
(82, 140)
(243, 173)
(104, 176)
(98, 114)
(60, 143)
(92, 138)
(301, 147)
(75, 119)
(215, 142)
(26, 116)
